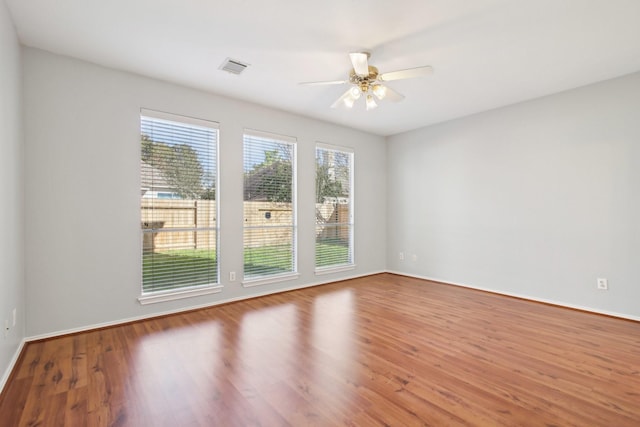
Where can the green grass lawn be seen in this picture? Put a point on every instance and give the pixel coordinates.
(329, 253)
(174, 269)
(267, 260)
(177, 269)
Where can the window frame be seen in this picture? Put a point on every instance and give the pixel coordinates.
(250, 281)
(192, 290)
(351, 264)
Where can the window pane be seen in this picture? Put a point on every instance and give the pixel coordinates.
(269, 208)
(333, 245)
(334, 209)
(178, 206)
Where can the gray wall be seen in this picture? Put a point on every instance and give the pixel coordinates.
(537, 199)
(82, 190)
(11, 189)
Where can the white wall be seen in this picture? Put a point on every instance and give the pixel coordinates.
(11, 189)
(537, 199)
(82, 190)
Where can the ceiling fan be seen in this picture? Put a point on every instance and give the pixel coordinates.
(367, 81)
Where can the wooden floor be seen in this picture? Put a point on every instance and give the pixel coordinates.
(381, 350)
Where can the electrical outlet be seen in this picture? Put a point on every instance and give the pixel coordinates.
(15, 316)
(401, 256)
(232, 276)
(414, 257)
(603, 284)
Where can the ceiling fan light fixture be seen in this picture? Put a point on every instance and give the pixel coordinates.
(379, 91)
(371, 103)
(349, 101)
(367, 82)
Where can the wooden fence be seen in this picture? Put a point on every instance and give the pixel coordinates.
(179, 223)
(267, 224)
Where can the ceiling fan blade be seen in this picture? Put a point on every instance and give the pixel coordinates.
(360, 61)
(392, 95)
(340, 102)
(331, 82)
(406, 74)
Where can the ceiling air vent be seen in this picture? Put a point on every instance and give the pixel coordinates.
(233, 66)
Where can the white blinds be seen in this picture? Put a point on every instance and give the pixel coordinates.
(269, 205)
(178, 176)
(334, 207)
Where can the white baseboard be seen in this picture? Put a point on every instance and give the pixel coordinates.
(309, 285)
(14, 360)
(189, 308)
(12, 365)
(521, 296)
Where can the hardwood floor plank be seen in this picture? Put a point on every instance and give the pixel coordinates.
(32, 359)
(379, 350)
(52, 414)
(15, 399)
(76, 411)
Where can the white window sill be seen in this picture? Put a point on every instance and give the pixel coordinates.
(336, 269)
(178, 294)
(271, 279)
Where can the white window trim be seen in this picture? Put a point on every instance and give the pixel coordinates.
(172, 295)
(270, 279)
(171, 117)
(326, 146)
(352, 216)
(265, 280)
(214, 288)
(334, 269)
(272, 136)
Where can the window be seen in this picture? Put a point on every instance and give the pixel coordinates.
(269, 207)
(178, 176)
(334, 208)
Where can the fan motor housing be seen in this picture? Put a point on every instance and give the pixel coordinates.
(356, 79)
(364, 82)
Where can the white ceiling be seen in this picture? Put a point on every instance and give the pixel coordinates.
(486, 53)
